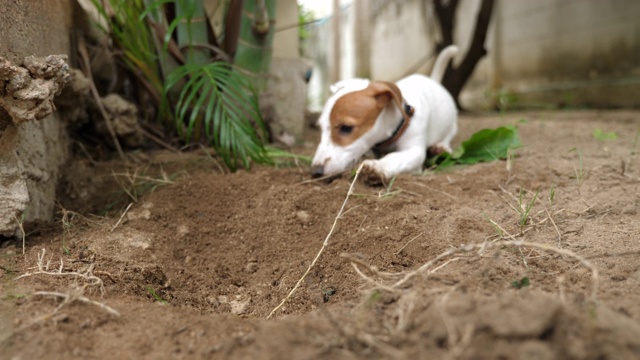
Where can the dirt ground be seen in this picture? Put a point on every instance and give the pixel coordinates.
(427, 267)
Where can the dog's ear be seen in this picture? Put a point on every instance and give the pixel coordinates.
(355, 84)
(384, 92)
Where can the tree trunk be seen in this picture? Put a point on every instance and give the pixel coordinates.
(446, 16)
(232, 27)
(255, 45)
(455, 78)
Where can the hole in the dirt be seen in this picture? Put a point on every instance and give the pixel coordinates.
(547, 334)
(441, 342)
(328, 293)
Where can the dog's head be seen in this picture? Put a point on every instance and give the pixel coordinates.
(349, 123)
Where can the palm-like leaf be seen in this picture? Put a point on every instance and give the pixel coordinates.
(219, 101)
(132, 35)
(214, 102)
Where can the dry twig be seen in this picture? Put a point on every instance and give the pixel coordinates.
(86, 65)
(121, 217)
(24, 235)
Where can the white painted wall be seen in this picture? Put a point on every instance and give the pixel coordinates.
(402, 39)
(285, 39)
(567, 52)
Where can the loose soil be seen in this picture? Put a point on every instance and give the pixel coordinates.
(201, 257)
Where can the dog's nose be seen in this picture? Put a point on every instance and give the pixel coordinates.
(317, 171)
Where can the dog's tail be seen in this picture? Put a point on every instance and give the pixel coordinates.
(442, 62)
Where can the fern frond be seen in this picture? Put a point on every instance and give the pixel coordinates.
(220, 103)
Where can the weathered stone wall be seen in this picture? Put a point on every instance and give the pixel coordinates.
(31, 152)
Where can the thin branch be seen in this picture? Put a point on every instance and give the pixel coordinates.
(24, 234)
(121, 217)
(408, 242)
(86, 65)
(324, 244)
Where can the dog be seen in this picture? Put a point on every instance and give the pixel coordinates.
(402, 121)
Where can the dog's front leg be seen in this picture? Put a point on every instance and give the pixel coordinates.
(379, 172)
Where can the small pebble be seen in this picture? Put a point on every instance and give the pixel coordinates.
(303, 217)
(251, 267)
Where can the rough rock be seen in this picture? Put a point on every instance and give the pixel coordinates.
(239, 305)
(27, 91)
(124, 118)
(75, 98)
(142, 214)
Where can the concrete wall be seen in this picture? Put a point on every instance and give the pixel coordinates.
(31, 152)
(283, 103)
(285, 41)
(321, 51)
(397, 51)
(547, 52)
(543, 52)
(578, 53)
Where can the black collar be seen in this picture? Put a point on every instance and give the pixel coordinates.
(407, 114)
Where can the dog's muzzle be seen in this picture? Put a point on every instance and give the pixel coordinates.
(317, 171)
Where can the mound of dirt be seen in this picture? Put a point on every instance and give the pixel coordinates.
(495, 260)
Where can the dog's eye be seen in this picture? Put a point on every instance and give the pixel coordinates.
(346, 129)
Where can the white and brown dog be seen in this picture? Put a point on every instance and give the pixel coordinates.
(402, 120)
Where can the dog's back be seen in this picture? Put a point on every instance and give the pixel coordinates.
(434, 104)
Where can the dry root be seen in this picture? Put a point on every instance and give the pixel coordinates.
(395, 281)
(76, 294)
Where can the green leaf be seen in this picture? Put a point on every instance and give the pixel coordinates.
(483, 146)
(216, 103)
(489, 145)
(519, 284)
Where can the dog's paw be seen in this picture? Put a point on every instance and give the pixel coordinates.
(372, 176)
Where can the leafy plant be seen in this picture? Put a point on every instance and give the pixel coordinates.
(253, 55)
(155, 296)
(552, 193)
(133, 40)
(220, 99)
(525, 208)
(519, 284)
(579, 170)
(506, 100)
(602, 136)
(328, 293)
(284, 158)
(137, 183)
(305, 17)
(177, 60)
(483, 146)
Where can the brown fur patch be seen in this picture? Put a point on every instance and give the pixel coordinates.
(360, 110)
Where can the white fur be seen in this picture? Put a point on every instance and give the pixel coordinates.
(434, 123)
